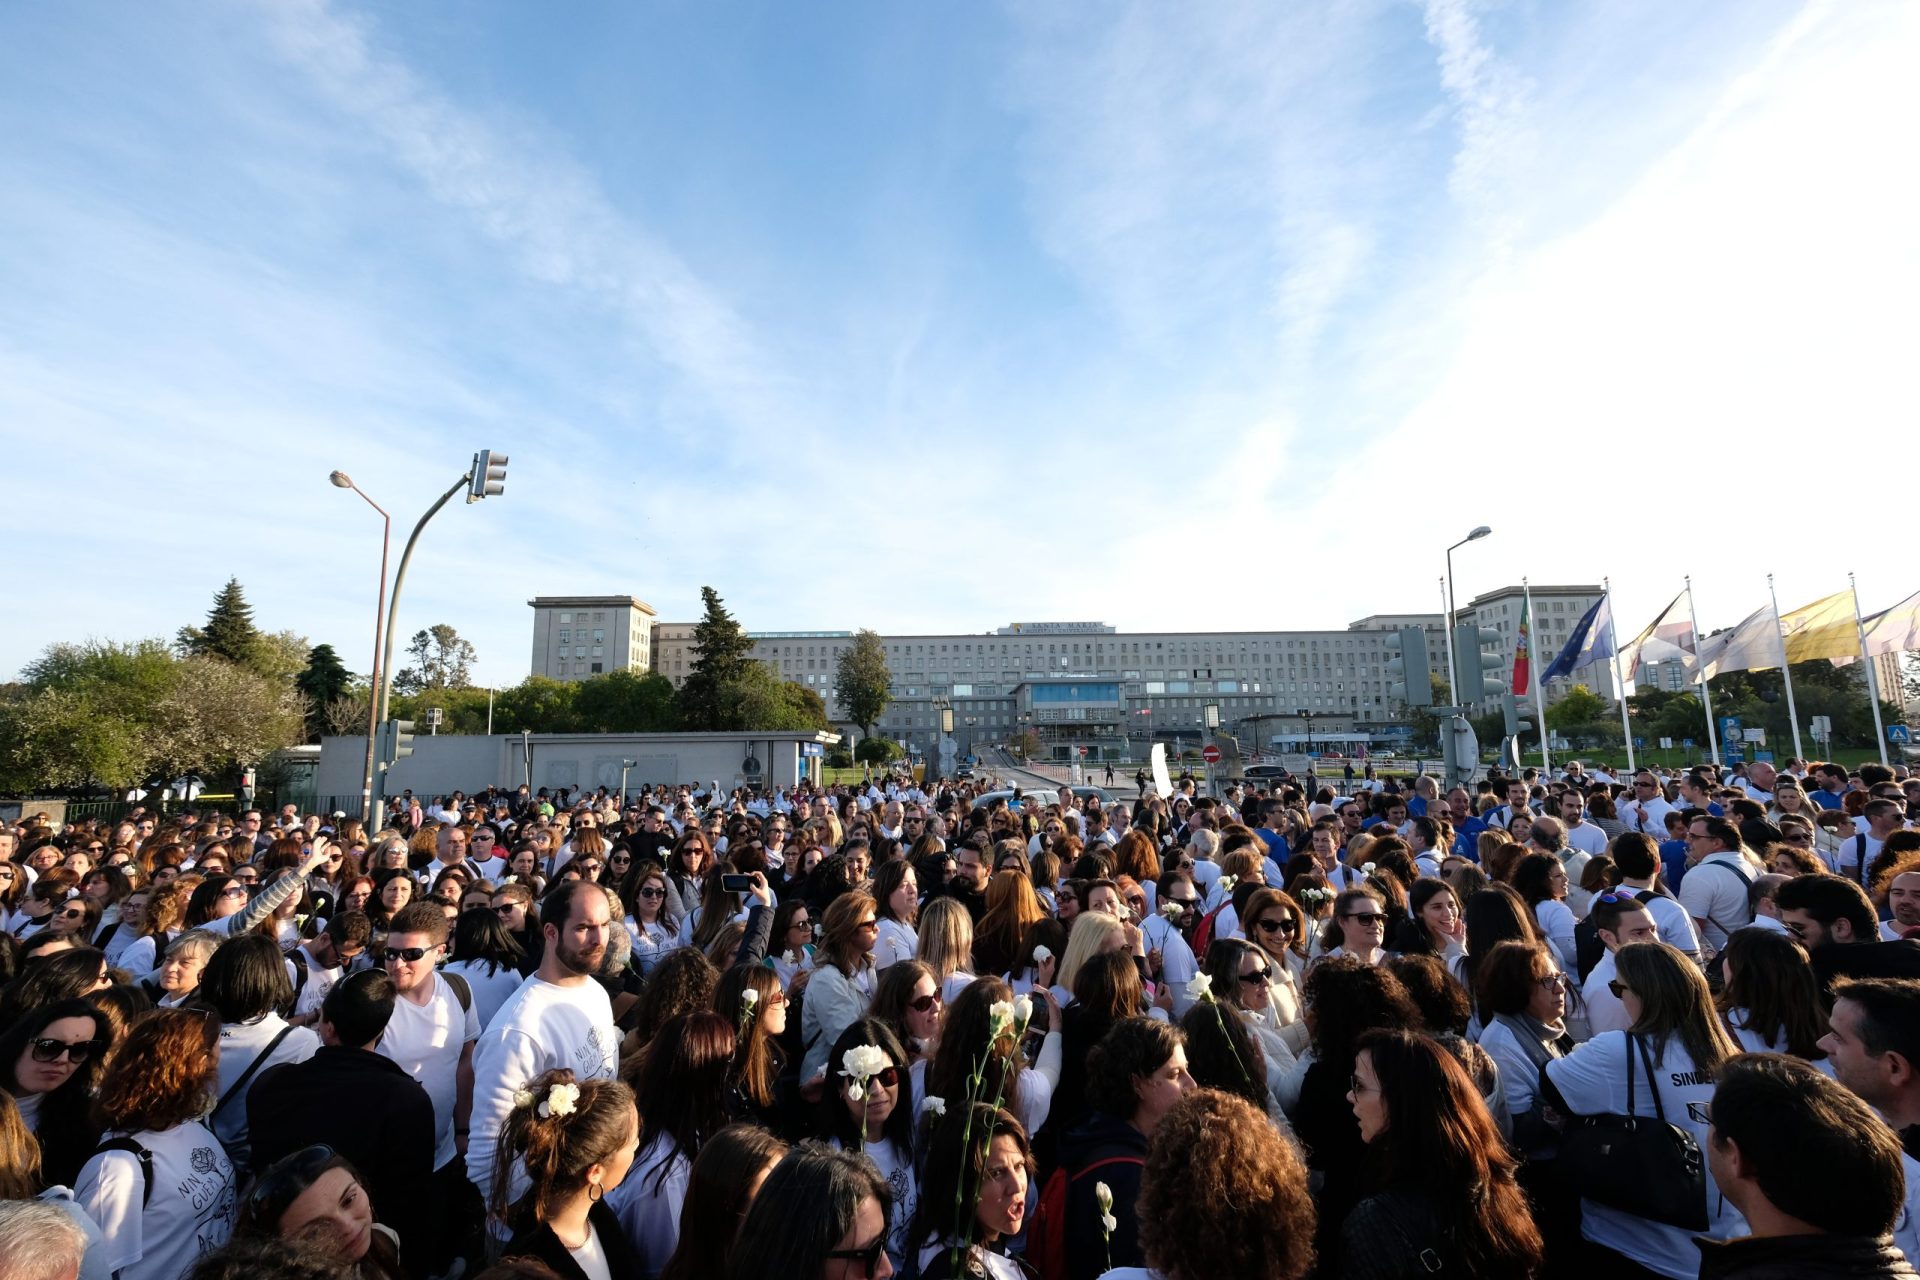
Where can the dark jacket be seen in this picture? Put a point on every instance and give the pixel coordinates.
(1394, 1236)
(540, 1242)
(1325, 1125)
(1801, 1258)
(1112, 1151)
(364, 1106)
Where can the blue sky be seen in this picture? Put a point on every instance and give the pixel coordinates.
(937, 317)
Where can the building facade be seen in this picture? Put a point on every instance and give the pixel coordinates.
(1556, 611)
(575, 637)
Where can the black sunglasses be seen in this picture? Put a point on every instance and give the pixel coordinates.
(924, 1004)
(1274, 926)
(286, 1178)
(1257, 977)
(412, 955)
(868, 1257)
(45, 1049)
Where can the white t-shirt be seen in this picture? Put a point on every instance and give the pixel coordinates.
(1605, 1012)
(1593, 1080)
(650, 1214)
(240, 1044)
(492, 986)
(319, 981)
(1556, 923)
(651, 942)
(189, 1215)
(591, 1257)
(1718, 896)
(1177, 965)
(1587, 838)
(542, 1026)
(426, 1041)
(894, 943)
(1673, 922)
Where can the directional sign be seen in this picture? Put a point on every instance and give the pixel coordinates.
(1686, 742)
(1639, 742)
(1898, 733)
(1666, 744)
(1210, 753)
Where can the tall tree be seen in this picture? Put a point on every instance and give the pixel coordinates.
(625, 702)
(229, 632)
(441, 660)
(324, 682)
(861, 681)
(720, 648)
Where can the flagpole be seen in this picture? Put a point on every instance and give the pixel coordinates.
(1706, 696)
(1619, 685)
(1793, 716)
(1539, 699)
(1873, 679)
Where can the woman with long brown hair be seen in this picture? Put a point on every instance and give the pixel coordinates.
(1769, 995)
(1012, 906)
(731, 1168)
(1443, 1197)
(843, 978)
(160, 1187)
(759, 1020)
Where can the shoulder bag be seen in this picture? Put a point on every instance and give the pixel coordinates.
(1639, 1164)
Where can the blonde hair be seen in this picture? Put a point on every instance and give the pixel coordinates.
(946, 938)
(1091, 934)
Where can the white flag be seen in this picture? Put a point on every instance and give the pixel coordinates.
(1754, 645)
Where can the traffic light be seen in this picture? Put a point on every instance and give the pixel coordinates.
(489, 475)
(395, 741)
(1412, 677)
(1510, 709)
(1475, 663)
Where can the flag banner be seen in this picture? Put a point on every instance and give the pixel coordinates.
(1823, 629)
(1754, 645)
(1666, 638)
(1523, 649)
(1590, 641)
(1895, 630)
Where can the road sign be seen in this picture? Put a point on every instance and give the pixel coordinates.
(1763, 757)
(1754, 735)
(1666, 744)
(1898, 733)
(1686, 742)
(1210, 753)
(1640, 742)
(1822, 727)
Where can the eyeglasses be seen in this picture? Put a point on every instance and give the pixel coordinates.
(653, 892)
(46, 1049)
(1618, 988)
(234, 891)
(412, 955)
(1366, 917)
(1258, 977)
(1272, 925)
(1356, 1085)
(1552, 982)
(924, 1004)
(805, 924)
(868, 1258)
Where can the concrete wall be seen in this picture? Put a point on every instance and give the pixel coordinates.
(469, 762)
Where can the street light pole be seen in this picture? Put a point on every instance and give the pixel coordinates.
(1453, 680)
(342, 480)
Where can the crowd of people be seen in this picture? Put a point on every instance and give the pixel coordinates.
(1662, 1023)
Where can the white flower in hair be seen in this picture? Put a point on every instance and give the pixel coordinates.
(1366, 868)
(561, 1100)
(935, 1104)
(523, 1097)
(749, 997)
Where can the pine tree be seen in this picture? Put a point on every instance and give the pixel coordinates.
(324, 682)
(229, 632)
(720, 650)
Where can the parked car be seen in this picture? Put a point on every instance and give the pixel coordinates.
(1042, 796)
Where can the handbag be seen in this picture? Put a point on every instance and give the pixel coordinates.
(1639, 1164)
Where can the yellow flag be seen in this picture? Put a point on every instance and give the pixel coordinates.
(1823, 629)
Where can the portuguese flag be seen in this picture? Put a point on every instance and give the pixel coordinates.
(1523, 649)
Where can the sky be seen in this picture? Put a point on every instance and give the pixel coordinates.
(935, 318)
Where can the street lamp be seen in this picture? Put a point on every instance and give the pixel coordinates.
(1306, 713)
(341, 480)
(1453, 683)
(485, 477)
(624, 766)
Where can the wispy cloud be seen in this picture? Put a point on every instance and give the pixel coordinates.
(1490, 101)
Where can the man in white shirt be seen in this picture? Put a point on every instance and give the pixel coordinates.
(1716, 892)
(1618, 919)
(1421, 833)
(1759, 783)
(1873, 1045)
(1857, 852)
(1903, 899)
(1518, 794)
(1581, 834)
(316, 964)
(430, 1037)
(1766, 902)
(1637, 859)
(560, 1017)
(453, 846)
(1648, 809)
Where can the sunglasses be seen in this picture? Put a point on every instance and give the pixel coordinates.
(73, 915)
(1366, 917)
(1257, 977)
(509, 908)
(886, 1078)
(286, 1179)
(1274, 926)
(924, 1004)
(653, 892)
(412, 955)
(234, 891)
(77, 1051)
(1618, 988)
(868, 1258)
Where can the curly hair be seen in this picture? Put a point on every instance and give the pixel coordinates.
(1346, 998)
(163, 1075)
(682, 982)
(1224, 1194)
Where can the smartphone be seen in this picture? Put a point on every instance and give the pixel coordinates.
(734, 883)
